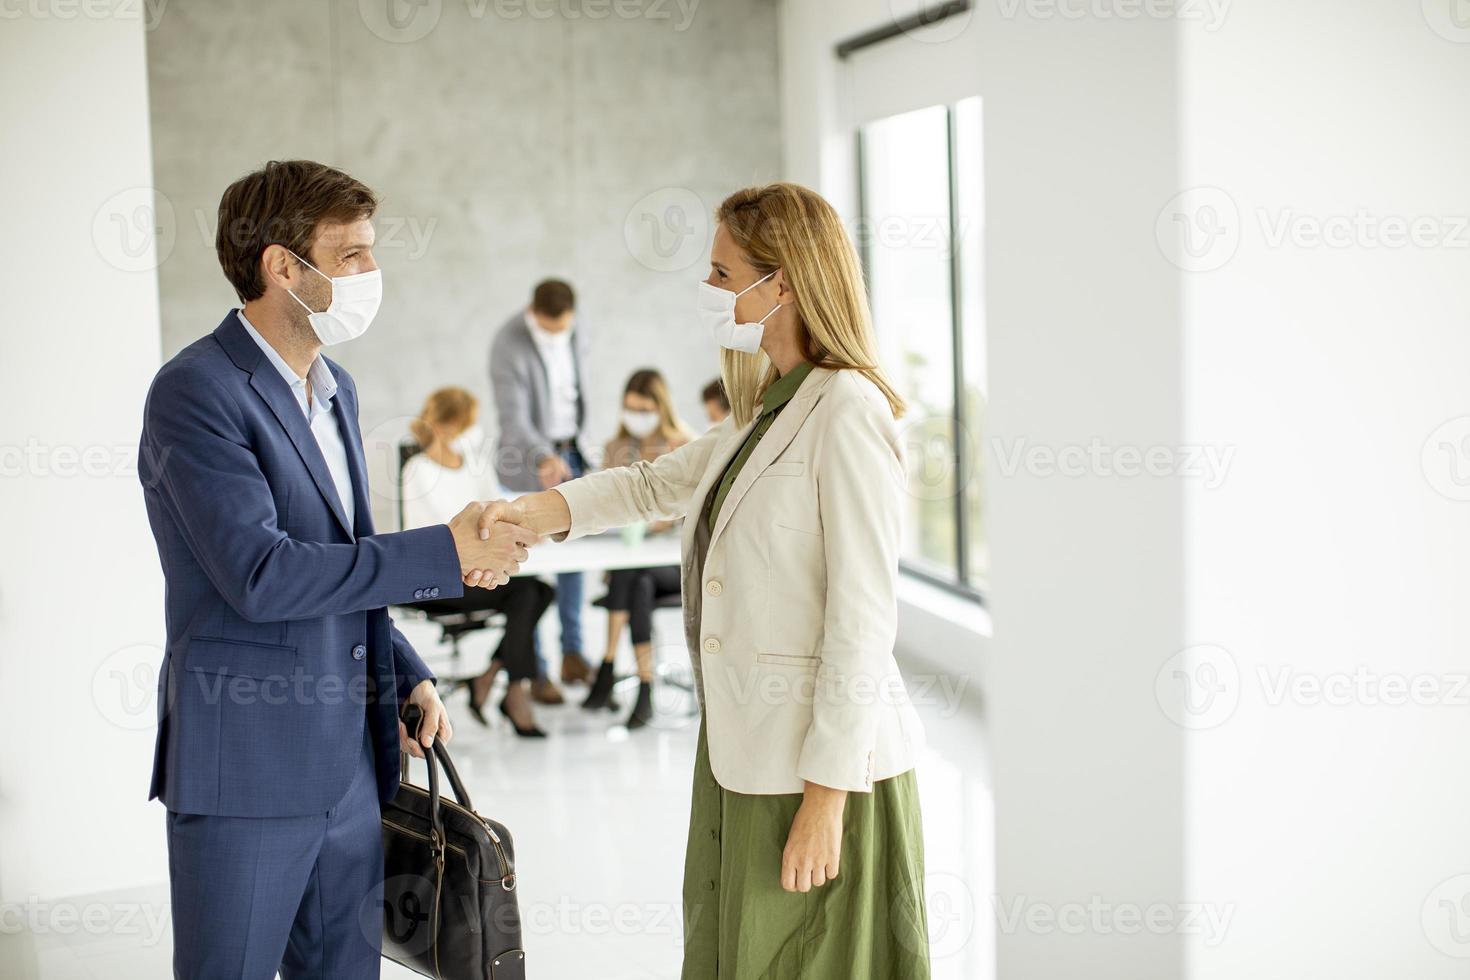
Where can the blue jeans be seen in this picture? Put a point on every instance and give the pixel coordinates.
(569, 589)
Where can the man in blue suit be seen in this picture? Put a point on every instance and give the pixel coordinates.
(279, 692)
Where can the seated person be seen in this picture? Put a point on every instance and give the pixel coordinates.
(437, 482)
(650, 427)
(716, 403)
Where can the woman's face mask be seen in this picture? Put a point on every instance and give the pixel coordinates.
(640, 425)
(716, 310)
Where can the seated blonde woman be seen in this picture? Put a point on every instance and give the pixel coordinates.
(805, 858)
(436, 482)
(649, 428)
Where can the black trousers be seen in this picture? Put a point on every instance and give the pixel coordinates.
(523, 600)
(634, 591)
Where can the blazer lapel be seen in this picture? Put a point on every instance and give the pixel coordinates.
(787, 424)
(274, 391)
(344, 406)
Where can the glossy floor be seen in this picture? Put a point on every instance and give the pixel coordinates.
(599, 816)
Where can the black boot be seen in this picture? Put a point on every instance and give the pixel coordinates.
(643, 707)
(602, 688)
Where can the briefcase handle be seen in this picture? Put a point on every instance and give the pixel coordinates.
(413, 716)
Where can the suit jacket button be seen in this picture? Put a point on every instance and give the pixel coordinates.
(434, 593)
(715, 587)
(418, 593)
(358, 652)
(711, 644)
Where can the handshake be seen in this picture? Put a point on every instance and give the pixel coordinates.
(490, 542)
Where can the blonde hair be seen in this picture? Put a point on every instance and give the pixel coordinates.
(447, 408)
(793, 228)
(650, 384)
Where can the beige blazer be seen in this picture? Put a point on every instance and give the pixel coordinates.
(791, 624)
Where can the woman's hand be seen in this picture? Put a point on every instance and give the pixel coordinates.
(814, 846)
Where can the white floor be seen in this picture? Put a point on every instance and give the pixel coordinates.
(599, 817)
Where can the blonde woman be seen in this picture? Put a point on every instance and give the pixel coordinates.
(445, 470)
(805, 857)
(649, 428)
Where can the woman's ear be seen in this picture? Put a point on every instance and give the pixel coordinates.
(784, 293)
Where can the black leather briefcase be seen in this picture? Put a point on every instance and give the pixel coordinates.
(449, 899)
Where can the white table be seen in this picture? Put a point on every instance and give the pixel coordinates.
(601, 552)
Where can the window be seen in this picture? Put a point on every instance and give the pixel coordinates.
(920, 233)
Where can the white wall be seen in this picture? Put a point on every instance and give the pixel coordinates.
(1336, 824)
(81, 600)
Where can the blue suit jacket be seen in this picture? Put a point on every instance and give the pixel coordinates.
(280, 648)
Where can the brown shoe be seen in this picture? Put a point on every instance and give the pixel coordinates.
(545, 691)
(574, 669)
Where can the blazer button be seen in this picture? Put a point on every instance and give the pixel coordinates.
(418, 593)
(711, 644)
(714, 587)
(434, 592)
(358, 652)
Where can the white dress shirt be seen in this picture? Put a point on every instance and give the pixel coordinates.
(561, 378)
(319, 415)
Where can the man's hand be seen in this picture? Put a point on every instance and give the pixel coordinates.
(488, 554)
(435, 721)
(552, 470)
(814, 846)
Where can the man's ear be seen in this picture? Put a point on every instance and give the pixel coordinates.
(277, 266)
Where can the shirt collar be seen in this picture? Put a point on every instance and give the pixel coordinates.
(323, 384)
(544, 337)
(783, 388)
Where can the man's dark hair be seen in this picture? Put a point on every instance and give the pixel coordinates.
(715, 392)
(553, 298)
(281, 204)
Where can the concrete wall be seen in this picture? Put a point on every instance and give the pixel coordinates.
(509, 141)
(81, 595)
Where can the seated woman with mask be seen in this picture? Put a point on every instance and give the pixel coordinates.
(437, 482)
(650, 427)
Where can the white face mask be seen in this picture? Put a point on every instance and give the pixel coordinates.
(717, 312)
(640, 425)
(355, 301)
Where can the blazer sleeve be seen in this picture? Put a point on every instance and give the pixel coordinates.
(407, 664)
(860, 486)
(645, 491)
(197, 456)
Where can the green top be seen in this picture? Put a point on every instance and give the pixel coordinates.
(777, 395)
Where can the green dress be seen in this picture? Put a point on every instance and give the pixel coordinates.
(868, 923)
